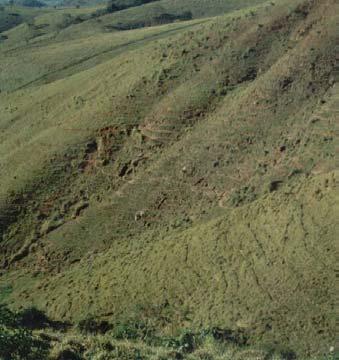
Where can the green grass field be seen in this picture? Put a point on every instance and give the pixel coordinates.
(186, 167)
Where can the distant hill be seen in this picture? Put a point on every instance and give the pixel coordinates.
(31, 3)
(54, 3)
(11, 16)
(78, 3)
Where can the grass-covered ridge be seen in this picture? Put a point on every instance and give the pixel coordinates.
(188, 166)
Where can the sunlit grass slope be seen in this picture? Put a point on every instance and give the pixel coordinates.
(190, 164)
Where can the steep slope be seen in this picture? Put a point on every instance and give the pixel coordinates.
(257, 268)
(203, 161)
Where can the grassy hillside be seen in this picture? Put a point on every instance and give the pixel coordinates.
(149, 14)
(43, 64)
(186, 170)
(42, 26)
(11, 16)
(65, 41)
(134, 16)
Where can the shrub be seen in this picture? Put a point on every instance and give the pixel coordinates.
(129, 330)
(92, 326)
(242, 196)
(7, 317)
(21, 344)
(237, 337)
(17, 342)
(32, 318)
(68, 354)
(187, 341)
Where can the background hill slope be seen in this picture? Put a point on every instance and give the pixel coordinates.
(188, 165)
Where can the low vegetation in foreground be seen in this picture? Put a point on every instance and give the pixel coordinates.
(29, 335)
